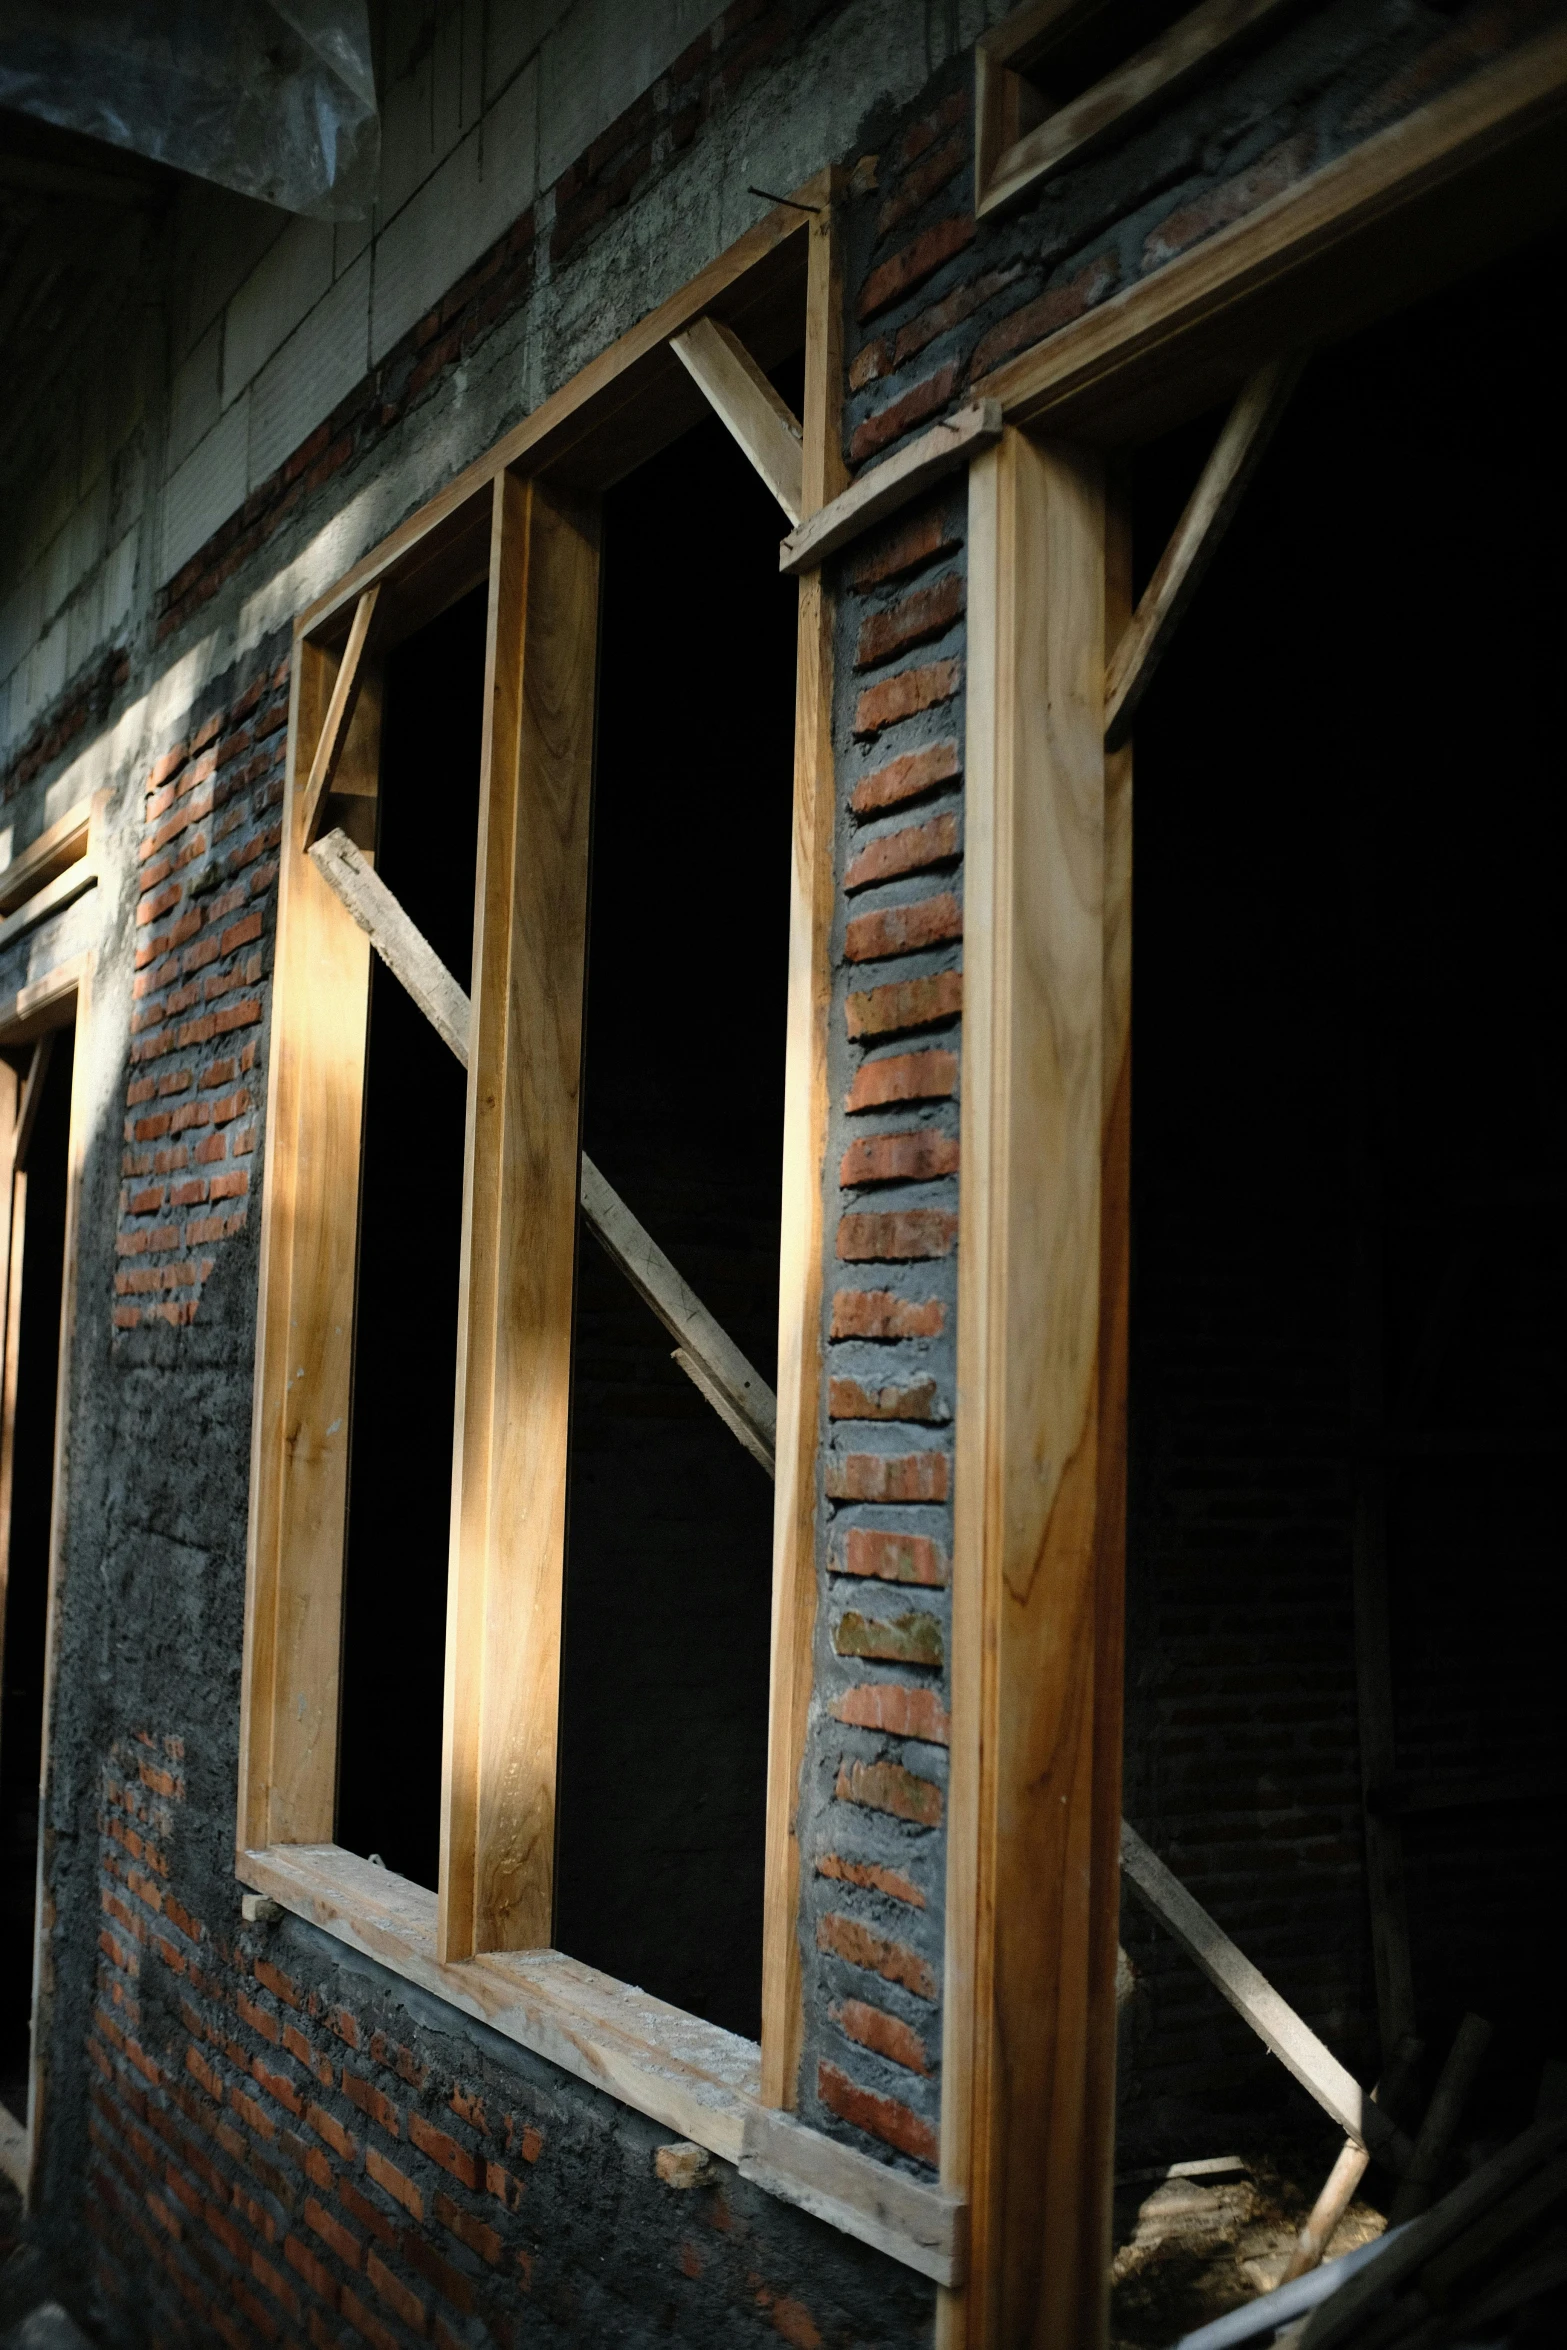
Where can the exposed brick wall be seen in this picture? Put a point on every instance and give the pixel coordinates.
(872, 1825)
(204, 925)
(939, 299)
(282, 2151)
(86, 702)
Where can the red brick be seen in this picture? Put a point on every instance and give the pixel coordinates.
(905, 778)
(898, 1235)
(451, 2283)
(938, 318)
(911, 1639)
(914, 262)
(871, 1876)
(344, 2242)
(903, 930)
(912, 544)
(904, 1004)
(919, 185)
(913, 849)
(923, 134)
(848, 1400)
(475, 2233)
(331, 2131)
(888, 1787)
(923, 613)
(441, 2147)
(903, 1077)
(881, 2117)
(370, 2101)
(397, 2183)
(364, 2321)
(899, 1158)
(274, 1980)
(847, 1939)
(468, 2108)
(869, 365)
(234, 1185)
(315, 2272)
(368, 2214)
(879, 1313)
(397, 2296)
(1269, 176)
(885, 425)
(275, 2282)
(887, 2034)
(898, 1711)
(257, 2018)
(905, 695)
(1046, 314)
(879, 1476)
(892, 1558)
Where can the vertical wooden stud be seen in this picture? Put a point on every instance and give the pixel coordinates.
(503, 1639)
(13, 1225)
(805, 1142)
(304, 1326)
(1030, 1962)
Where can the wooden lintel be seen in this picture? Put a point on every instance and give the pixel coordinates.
(72, 882)
(885, 488)
(1194, 542)
(62, 844)
(1253, 1997)
(743, 400)
(706, 1353)
(339, 711)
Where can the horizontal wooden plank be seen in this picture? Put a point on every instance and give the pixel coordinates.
(61, 845)
(688, 2075)
(886, 487)
(1252, 1996)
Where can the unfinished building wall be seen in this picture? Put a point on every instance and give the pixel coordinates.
(283, 2141)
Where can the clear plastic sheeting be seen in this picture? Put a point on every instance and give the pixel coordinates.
(275, 98)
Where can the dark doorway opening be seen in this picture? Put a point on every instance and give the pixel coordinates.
(663, 1753)
(1348, 1182)
(37, 1210)
(410, 1231)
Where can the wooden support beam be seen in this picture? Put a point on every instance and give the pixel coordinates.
(1194, 542)
(744, 401)
(1353, 2162)
(32, 1097)
(67, 886)
(886, 487)
(304, 1340)
(1253, 1997)
(1443, 2115)
(339, 712)
(812, 885)
(705, 1352)
(1041, 1068)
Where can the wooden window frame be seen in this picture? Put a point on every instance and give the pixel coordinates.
(1017, 2235)
(1033, 1891)
(522, 519)
(1021, 141)
(60, 866)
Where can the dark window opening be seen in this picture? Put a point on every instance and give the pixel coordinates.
(39, 1206)
(410, 1219)
(663, 1752)
(1348, 1184)
(1094, 41)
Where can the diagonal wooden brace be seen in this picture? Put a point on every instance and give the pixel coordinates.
(704, 1350)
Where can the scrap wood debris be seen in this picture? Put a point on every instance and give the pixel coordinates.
(1485, 2267)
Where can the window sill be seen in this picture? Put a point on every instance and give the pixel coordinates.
(689, 2075)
